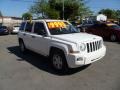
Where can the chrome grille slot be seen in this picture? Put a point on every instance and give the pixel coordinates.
(93, 46)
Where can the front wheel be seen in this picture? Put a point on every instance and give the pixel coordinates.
(59, 61)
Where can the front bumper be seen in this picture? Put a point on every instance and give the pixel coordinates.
(3, 33)
(79, 59)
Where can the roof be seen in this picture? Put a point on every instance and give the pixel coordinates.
(46, 20)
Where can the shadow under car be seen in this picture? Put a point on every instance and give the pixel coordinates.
(41, 62)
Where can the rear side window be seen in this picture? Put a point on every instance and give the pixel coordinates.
(28, 27)
(22, 26)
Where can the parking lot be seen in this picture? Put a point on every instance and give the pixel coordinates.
(31, 71)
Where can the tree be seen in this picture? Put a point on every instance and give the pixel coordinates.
(54, 8)
(118, 14)
(39, 9)
(71, 8)
(1, 17)
(111, 14)
(52, 13)
(0, 14)
(27, 16)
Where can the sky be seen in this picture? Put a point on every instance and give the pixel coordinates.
(97, 5)
(15, 7)
(18, 7)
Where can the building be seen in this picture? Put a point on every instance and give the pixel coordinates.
(10, 21)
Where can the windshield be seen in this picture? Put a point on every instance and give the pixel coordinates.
(60, 27)
(115, 27)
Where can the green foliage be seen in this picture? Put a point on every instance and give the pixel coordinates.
(111, 14)
(39, 8)
(27, 16)
(118, 14)
(1, 14)
(2, 18)
(52, 13)
(54, 8)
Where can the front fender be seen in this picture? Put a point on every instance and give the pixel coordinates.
(61, 46)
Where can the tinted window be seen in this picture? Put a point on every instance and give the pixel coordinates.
(28, 27)
(22, 26)
(39, 28)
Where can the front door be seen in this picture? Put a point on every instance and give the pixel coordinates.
(40, 41)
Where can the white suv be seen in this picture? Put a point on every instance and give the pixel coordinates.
(61, 42)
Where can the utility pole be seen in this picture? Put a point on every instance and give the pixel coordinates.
(63, 9)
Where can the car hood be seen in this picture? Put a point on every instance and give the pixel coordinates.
(76, 37)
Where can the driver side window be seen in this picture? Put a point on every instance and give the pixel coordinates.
(39, 28)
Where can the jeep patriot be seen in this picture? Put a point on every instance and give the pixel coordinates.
(61, 42)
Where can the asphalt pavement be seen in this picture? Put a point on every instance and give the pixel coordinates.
(31, 71)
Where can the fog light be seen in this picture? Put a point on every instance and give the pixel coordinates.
(80, 59)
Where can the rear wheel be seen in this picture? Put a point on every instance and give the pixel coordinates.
(22, 46)
(59, 61)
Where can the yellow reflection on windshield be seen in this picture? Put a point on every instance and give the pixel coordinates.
(52, 25)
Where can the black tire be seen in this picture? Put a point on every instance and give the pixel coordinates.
(58, 61)
(113, 37)
(22, 46)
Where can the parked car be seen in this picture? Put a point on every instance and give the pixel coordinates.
(61, 42)
(15, 29)
(85, 24)
(4, 30)
(109, 31)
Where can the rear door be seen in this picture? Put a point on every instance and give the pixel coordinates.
(27, 35)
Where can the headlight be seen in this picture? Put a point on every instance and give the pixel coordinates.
(82, 47)
(73, 49)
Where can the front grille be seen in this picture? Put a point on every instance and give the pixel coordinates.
(93, 46)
